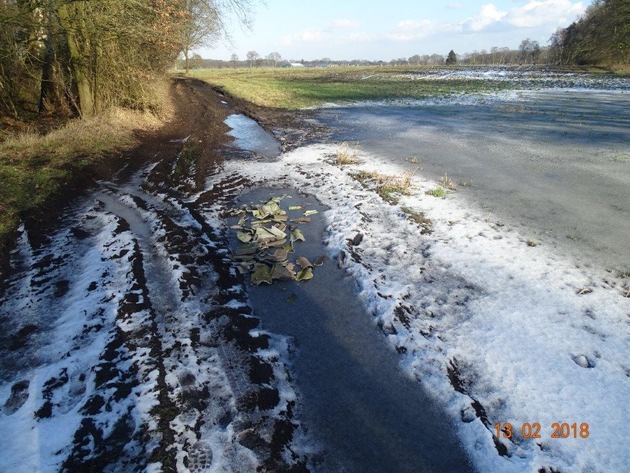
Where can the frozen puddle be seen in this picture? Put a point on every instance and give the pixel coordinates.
(556, 162)
(250, 136)
(367, 414)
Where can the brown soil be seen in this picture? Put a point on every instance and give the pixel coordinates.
(292, 127)
(196, 127)
(198, 118)
(185, 151)
(196, 123)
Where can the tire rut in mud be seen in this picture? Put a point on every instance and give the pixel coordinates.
(134, 333)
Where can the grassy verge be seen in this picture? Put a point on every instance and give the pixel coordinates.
(34, 168)
(388, 187)
(294, 88)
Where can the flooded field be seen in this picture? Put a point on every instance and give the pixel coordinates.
(555, 162)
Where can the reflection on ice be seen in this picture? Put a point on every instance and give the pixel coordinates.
(250, 136)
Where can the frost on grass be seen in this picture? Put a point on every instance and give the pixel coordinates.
(494, 328)
(346, 155)
(389, 187)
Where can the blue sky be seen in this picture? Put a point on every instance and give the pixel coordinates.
(363, 29)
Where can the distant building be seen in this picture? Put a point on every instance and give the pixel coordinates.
(295, 64)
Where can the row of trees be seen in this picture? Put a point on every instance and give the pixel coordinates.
(529, 52)
(83, 56)
(254, 59)
(601, 36)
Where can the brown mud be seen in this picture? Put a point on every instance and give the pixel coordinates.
(196, 128)
(150, 192)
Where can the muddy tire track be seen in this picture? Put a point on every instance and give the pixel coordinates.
(127, 332)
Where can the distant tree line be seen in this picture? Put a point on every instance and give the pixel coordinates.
(78, 57)
(529, 52)
(601, 36)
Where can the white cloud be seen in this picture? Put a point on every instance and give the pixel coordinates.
(329, 34)
(544, 12)
(541, 17)
(361, 37)
(410, 30)
(305, 36)
(535, 13)
(488, 15)
(312, 36)
(344, 24)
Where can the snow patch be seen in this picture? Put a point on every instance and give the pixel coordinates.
(496, 329)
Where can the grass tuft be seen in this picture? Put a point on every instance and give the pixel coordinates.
(438, 191)
(388, 187)
(448, 183)
(419, 218)
(345, 155)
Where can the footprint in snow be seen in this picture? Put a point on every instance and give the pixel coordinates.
(583, 361)
(19, 395)
(200, 457)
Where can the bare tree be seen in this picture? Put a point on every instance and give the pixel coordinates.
(274, 59)
(401, 61)
(495, 54)
(535, 52)
(504, 54)
(415, 59)
(436, 59)
(252, 57)
(204, 21)
(529, 51)
(202, 24)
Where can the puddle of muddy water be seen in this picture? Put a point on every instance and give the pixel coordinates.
(354, 398)
(250, 136)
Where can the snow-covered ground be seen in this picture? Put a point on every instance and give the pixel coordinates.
(552, 161)
(127, 345)
(527, 77)
(499, 329)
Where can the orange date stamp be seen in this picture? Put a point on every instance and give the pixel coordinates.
(559, 430)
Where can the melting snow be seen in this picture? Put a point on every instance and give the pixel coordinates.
(112, 353)
(499, 330)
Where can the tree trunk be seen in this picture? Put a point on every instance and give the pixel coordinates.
(77, 66)
(47, 96)
(52, 95)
